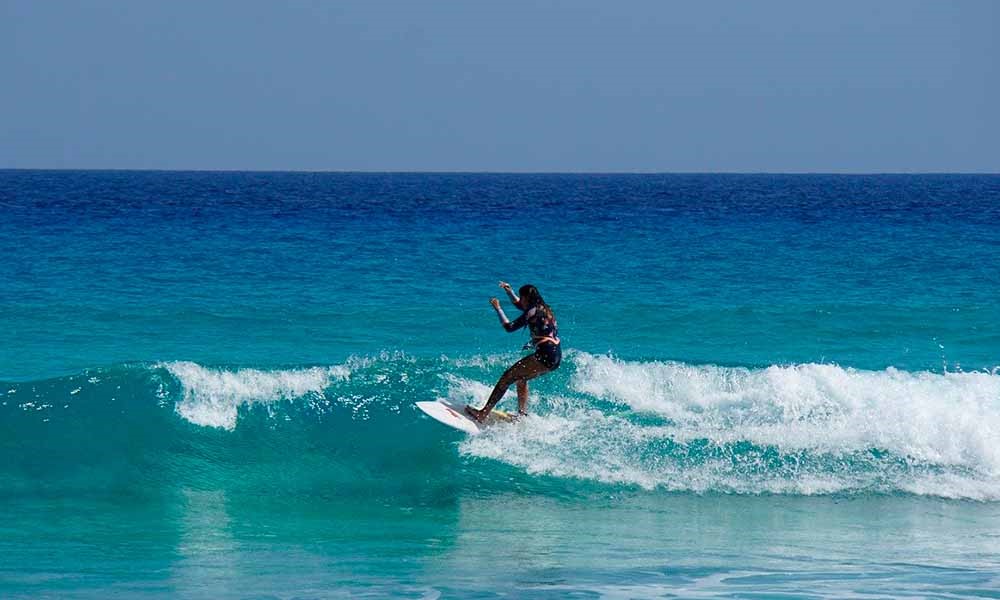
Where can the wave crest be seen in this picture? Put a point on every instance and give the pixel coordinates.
(599, 420)
(212, 397)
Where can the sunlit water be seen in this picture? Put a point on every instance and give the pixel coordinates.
(773, 386)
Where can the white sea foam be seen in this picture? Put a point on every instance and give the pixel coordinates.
(949, 418)
(481, 361)
(211, 397)
(941, 430)
(468, 391)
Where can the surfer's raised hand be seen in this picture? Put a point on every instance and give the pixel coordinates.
(510, 293)
(503, 318)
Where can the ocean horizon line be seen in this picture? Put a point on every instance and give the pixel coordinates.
(500, 172)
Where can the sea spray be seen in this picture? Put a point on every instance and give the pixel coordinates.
(211, 397)
(942, 418)
(797, 429)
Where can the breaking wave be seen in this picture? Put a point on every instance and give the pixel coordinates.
(661, 426)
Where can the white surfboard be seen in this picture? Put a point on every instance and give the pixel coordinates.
(453, 415)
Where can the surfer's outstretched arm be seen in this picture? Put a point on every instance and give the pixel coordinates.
(510, 294)
(507, 324)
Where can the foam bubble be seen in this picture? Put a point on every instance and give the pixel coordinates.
(211, 397)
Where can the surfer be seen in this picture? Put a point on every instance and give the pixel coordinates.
(537, 315)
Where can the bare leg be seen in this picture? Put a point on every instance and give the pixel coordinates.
(522, 397)
(527, 368)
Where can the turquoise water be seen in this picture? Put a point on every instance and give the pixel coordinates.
(773, 386)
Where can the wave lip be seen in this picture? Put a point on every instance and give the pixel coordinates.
(212, 397)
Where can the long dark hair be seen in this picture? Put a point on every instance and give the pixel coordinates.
(531, 298)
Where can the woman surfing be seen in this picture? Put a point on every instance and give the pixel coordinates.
(541, 322)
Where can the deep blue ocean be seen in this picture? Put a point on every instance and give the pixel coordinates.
(773, 386)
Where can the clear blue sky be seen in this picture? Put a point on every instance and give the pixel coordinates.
(780, 86)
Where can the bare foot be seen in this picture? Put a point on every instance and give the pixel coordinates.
(476, 415)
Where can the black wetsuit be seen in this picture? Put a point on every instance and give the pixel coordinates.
(544, 335)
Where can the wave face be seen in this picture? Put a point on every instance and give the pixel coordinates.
(598, 423)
